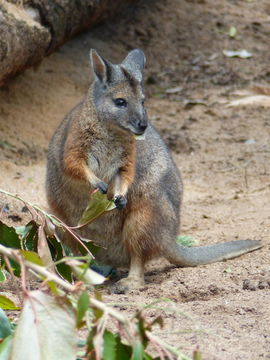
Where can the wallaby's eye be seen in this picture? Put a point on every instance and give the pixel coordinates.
(120, 102)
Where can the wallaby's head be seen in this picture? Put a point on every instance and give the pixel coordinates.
(118, 91)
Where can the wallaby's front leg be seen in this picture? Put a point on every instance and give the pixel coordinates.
(123, 180)
(119, 191)
(75, 166)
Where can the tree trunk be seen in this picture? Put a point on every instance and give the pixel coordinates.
(32, 29)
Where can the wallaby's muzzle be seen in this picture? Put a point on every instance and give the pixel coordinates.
(138, 126)
(141, 129)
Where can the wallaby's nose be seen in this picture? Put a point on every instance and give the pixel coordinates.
(142, 126)
(139, 125)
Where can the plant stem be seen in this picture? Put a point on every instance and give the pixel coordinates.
(53, 218)
(171, 349)
(15, 255)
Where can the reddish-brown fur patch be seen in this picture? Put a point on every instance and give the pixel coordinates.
(75, 153)
(138, 232)
(127, 171)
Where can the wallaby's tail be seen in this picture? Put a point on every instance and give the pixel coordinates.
(193, 256)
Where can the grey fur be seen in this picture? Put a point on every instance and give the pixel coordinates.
(103, 132)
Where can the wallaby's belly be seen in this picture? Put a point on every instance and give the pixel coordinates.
(107, 232)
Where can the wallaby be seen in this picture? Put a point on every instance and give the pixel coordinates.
(95, 148)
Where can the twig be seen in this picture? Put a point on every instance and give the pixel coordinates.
(129, 327)
(14, 254)
(166, 346)
(53, 218)
(7, 262)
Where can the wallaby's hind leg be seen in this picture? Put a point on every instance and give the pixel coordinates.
(135, 277)
(138, 238)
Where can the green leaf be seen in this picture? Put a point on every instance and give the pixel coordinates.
(46, 330)
(109, 346)
(141, 328)
(186, 241)
(93, 248)
(9, 237)
(2, 275)
(7, 304)
(123, 351)
(28, 235)
(5, 347)
(82, 272)
(232, 31)
(97, 205)
(31, 256)
(89, 343)
(228, 270)
(138, 351)
(82, 307)
(53, 287)
(5, 326)
(58, 253)
(148, 357)
(197, 355)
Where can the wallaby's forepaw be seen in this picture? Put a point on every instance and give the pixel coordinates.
(125, 285)
(120, 201)
(102, 186)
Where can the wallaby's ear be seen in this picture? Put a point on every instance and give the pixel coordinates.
(134, 63)
(100, 66)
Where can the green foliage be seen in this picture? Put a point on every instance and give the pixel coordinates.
(228, 270)
(7, 304)
(82, 307)
(2, 275)
(32, 257)
(232, 32)
(46, 329)
(28, 235)
(197, 355)
(5, 326)
(66, 300)
(58, 253)
(5, 346)
(186, 241)
(9, 236)
(98, 204)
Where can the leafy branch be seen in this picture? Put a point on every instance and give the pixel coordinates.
(65, 302)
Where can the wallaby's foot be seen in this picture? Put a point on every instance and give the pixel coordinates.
(120, 201)
(125, 285)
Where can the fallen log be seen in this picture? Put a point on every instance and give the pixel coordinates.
(32, 29)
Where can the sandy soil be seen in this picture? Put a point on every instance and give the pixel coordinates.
(222, 151)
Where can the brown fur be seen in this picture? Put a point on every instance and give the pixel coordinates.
(136, 240)
(94, 148)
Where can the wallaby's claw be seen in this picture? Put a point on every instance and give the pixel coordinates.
(103, 187)
(120, 202)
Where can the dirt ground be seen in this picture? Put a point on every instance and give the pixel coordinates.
(221, 150)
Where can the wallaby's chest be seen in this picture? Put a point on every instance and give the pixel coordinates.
(105, 158)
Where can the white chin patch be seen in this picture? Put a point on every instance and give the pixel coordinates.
(140, 137)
